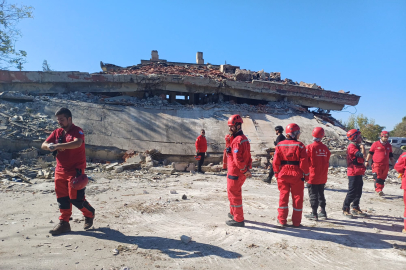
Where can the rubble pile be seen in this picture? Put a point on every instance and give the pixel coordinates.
(206, 71)
(334, 144)
(22, 121)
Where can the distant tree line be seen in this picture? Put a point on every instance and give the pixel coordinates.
(370, 130)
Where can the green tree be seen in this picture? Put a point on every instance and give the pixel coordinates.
(10, 15)
(400, 129)
(368, 128)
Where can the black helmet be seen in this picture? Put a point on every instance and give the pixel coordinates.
(279, 129)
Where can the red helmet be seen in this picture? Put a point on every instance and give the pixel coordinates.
(198, 157)
(234, 119)
(79, 182)
(292, 129)
(318, 132)
(384, 134)
(353, 134)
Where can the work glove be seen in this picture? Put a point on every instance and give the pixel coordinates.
(228, 150)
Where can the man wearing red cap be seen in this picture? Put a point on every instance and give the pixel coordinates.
(239, 163)
(381, 153)
(68, 142)
(355, 171)
(400, 167)
(319, 156)
(201, 148)
(291, 169)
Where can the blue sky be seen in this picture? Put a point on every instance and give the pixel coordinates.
(357, 46)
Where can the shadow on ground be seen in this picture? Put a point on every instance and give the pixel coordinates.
(350, 238)
(172, 247)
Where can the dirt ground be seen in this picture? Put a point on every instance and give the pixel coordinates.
(137, 214)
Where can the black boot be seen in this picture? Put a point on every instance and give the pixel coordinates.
(312, 216)
(88, 223)
(61, 227)
(235, 223)
(230, 216)
(267, 180)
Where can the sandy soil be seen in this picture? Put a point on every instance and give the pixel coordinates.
(137, 214)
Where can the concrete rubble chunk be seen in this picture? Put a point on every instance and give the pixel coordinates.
(185, 239)
(111, 166)
(162, 170)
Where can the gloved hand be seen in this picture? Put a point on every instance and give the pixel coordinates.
(228, 150)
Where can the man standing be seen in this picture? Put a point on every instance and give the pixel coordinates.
(319, 157)
(238, 164)
(400, 167)
(355, 171)
(291, 168)
(69, 142)
(201, 148)
(381, 153)
(228, 139)
(279, 138)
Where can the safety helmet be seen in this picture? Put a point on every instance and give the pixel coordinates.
(318, 132)
(79, 182)
(384, 134)
(234, 119)
(292, 130)
(198, 157)
(279, 128)
(353, 134)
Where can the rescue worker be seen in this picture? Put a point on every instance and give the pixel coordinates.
(319, 156)
(239, 163)
(227, 138)
(291, 168)
(381, 153)
(279, 138)
(201, 148)
(69, 142)
(400, 167)
(355, 171)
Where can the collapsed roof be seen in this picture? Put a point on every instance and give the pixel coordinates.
(198, 84)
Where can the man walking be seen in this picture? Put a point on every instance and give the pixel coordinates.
(239, 163)
(69, 142)
(279, 138)
(201, 148)
(291, 168)
(355, 171)
(319, 156)
(381, 153)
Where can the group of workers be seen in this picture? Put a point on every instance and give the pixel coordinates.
(293, 165)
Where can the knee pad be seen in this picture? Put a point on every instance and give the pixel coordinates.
(63, 202)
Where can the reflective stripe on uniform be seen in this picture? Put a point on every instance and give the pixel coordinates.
(297, 209)
(289, 145)
(243, 168)
(284, 207)
(243, 141)
(236, 205)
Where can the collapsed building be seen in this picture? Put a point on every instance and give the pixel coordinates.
(162, 105)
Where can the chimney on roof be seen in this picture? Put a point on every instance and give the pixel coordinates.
(154, 55)
(199, 58)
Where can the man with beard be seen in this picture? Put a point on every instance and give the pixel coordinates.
(69, 144)
(238, 164)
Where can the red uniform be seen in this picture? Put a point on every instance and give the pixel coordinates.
(290, 164)
(355, 165)
(238, 162)
(67, 162)
(228, 139)
(201, 144)
(380, 166)
(400, 167)
(319, 157)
